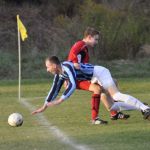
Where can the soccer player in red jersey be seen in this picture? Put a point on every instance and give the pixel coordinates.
(79, 53)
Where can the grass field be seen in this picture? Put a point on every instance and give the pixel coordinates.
(72, 118)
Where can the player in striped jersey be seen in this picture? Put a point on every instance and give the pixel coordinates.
(67, 71)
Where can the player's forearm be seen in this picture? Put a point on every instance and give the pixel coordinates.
(41, 109)
(56, 102)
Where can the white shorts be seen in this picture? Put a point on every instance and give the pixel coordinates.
(102, 76)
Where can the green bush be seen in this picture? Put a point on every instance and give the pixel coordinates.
(123, 32)
(8, 65)
(54, 26)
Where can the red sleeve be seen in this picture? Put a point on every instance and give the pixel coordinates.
(75, 50)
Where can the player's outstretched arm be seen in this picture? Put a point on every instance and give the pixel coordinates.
(49, 104)
(39, 110)
(56, 102)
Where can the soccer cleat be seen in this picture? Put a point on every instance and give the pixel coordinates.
(99, 121)
(145, 103)
(120, 115)
(146, 114)
(142, 110)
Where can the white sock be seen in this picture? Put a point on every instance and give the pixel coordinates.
(121, 106)
(130, 100)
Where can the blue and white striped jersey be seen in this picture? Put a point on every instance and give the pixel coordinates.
(86, 70)
(70, 74)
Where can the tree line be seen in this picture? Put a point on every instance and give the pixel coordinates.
(53, 26)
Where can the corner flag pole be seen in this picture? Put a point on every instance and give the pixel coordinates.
(19, 61)
(22, 34)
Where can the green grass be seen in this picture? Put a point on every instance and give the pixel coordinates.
(73, 118)
(138, 68)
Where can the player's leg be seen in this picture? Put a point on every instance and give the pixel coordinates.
(116, 106)
(95, 100)
(111, 105)
(106, 99)
(108, 103)
(108, 83)
(128, 99)
(115, 113)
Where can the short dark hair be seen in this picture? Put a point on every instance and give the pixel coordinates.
(53, 59)
(91, 31)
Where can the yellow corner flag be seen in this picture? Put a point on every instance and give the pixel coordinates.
(22, 29)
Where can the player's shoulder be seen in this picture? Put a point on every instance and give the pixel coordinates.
(67, 63)
(79, 44)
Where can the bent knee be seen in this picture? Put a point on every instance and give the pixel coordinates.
(95, 88)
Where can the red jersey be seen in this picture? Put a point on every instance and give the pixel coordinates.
(79, 53)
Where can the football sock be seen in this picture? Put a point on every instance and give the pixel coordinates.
(95, 102)
(113, 113)
(120, 106)
(130, 100)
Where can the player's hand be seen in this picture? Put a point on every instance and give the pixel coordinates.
(34, 112)
(39, 110)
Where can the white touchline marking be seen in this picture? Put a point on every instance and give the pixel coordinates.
(53, 129)
(33, 98)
